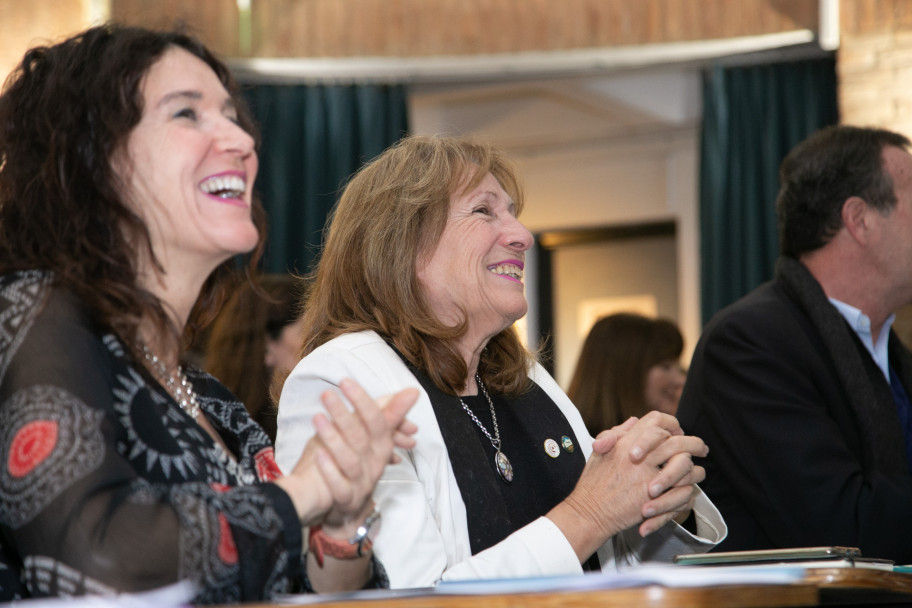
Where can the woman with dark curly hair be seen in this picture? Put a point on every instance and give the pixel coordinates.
(127, 164)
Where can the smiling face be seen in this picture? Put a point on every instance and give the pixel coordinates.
(477, 266)
(189, 168)
(664, 383)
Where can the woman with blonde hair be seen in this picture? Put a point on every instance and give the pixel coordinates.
(419, 285)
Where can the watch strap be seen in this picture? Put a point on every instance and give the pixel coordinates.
(357, 546)
(320, 544)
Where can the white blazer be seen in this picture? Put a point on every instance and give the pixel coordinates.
(424, 535)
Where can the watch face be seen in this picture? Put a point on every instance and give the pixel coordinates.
(368, 529)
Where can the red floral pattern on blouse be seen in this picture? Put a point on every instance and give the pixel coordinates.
(227, 550)
(32, 444)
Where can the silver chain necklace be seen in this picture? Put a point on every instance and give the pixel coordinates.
(176, 383)
(501, 463)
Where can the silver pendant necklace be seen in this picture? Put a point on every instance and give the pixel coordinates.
(176, 383)
(501, 463)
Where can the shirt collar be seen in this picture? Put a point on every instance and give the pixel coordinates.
(861, 325)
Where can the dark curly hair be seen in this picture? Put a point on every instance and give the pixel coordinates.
(65, 112)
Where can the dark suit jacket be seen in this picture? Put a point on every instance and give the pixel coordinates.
(804, 438)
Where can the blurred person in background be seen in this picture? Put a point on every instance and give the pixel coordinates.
(255, 336)
(629, 365)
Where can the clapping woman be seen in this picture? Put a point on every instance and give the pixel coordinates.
(419, 284)
(127, 165)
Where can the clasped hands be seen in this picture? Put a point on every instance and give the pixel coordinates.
(640, 472)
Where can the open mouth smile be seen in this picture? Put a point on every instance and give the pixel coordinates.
(227, 187)
(511, 270)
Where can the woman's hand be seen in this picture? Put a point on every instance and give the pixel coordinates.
(641, 470)
(663, 444)
(606, 440)
(674, 489)
(339, 467)
(360, 444)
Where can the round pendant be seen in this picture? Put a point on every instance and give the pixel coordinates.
(503, 466)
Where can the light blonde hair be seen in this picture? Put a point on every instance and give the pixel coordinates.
(389, 218)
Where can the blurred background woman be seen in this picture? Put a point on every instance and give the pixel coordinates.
(127, 164)
(255, 336)
(419, 284)
(629, 365)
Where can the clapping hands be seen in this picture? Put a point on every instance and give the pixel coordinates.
(333, 480)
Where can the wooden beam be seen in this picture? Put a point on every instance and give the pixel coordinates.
(419, 28)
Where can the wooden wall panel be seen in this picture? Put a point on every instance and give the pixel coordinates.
(340, 28)
(214, 21)
(420, 28)
(402, 28)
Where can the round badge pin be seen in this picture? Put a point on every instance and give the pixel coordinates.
(567, 443)
(551, 448)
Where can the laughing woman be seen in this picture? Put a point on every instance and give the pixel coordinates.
(126, 174)
(419, 285)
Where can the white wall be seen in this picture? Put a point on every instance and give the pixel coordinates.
(609, 274)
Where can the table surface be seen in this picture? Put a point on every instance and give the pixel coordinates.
(861, 586)
(821, 586)
(654, 596)
(860, 578)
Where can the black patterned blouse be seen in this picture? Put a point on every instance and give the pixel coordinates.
(106, 485)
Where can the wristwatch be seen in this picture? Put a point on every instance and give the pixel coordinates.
(363, 538)
(357, 546)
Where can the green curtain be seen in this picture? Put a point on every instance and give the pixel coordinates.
(752, 117)
(313, 138)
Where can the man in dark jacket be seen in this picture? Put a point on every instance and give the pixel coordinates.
(801, 389)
